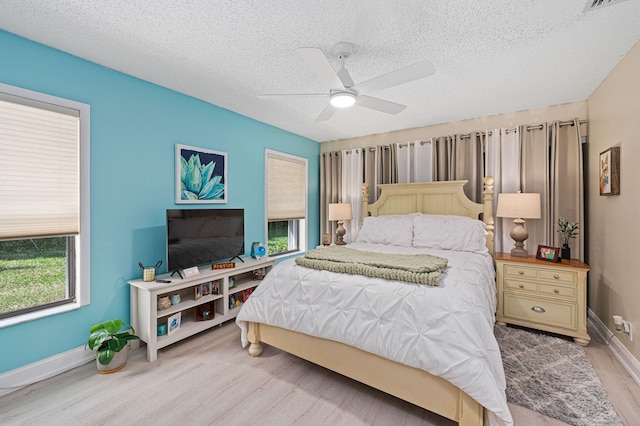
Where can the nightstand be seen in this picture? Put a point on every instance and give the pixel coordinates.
(543, 295)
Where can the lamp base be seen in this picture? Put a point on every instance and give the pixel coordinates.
(519, 252)
(340, 234)
(519, 235)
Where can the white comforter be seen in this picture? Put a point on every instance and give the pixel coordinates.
(445, 330)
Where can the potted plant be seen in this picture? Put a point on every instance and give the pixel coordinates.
(110, 340)
(567, 231)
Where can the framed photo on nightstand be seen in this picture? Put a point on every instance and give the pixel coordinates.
(326, 239)
(548, 253)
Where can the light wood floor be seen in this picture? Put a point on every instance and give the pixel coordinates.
(209, 379)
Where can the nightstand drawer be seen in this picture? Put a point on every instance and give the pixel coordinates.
(521, 285)
(518, 271)
(558, 290)
(560, 276)
(541, 311)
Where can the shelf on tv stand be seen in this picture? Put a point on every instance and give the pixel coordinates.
(145, 315)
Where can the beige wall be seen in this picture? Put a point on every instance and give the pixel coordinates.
(614, 234)
(529, 117)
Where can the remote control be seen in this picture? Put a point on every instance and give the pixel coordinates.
(163, 281)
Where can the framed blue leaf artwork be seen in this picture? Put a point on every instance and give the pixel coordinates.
(201, 176)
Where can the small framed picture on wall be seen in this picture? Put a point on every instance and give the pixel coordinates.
(609, 171)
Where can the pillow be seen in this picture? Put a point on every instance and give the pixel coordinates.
(450, 233)
(395, 230)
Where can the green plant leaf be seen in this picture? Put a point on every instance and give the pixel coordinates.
(112, 326)
(97, 338)
(112, 335)
(105, 356)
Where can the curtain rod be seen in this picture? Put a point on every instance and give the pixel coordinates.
(375, 149)
(468, 135)
(402, 145)
(529, 128)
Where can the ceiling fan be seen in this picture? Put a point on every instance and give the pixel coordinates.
(343, 92)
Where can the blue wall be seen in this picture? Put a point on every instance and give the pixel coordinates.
(134, 128)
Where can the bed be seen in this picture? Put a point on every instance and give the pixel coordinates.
(423, 362)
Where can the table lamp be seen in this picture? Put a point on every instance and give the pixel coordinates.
(340, 212)
(519, 206)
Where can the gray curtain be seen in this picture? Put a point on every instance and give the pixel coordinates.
(380, 166)
(535, 175)
(552, 165)
(460, 157)
(330, 186)
(567, 181)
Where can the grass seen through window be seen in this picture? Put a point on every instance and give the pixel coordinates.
(32, 272)
(278, 233)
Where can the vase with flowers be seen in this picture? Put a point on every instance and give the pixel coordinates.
(567, 231)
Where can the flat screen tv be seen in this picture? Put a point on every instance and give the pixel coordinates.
(199, 236)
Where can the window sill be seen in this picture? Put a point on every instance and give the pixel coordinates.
(19, 319)
(291, 254)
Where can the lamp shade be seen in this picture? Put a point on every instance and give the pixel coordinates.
(340, 211)
(519, 205)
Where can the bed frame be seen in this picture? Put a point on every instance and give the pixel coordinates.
(408, 383)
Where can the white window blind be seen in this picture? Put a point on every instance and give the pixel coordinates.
(286, 187)
(39, 169)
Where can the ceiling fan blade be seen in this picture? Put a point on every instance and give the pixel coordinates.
(293, 95)
(380, 104)
(326, 113)
(319, 63)
(395, 78)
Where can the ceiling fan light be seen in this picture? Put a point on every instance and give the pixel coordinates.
(343, 99)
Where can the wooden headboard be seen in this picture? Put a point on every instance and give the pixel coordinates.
(445, 198)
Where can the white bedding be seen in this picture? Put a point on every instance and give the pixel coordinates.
(445, 330)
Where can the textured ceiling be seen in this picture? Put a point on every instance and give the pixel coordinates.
(491, 56)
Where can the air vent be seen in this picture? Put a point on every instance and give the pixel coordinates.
(599, 4)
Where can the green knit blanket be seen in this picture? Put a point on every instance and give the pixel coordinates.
(413, 268)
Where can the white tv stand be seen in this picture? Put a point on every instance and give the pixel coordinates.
(145, 315)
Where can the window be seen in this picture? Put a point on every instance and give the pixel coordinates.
(44, 214)
(286, 200)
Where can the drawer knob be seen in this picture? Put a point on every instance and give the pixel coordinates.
(556, 277)
(521, 285)
(521, 272)
(556, 291)
(538, 309)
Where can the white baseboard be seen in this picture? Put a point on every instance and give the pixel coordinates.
(622, 354)
(43, 369)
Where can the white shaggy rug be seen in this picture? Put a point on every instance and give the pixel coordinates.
(553, 376)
